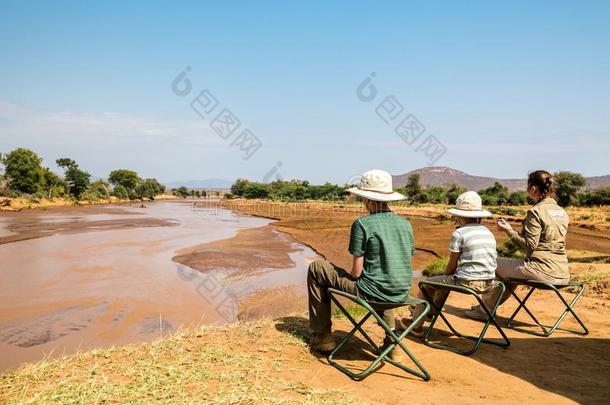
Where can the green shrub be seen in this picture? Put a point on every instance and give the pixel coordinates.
(507, 211)
(436, 267)
(509, 249)
(585, 217)
(355, 311)
(121, 192)
(89, 195)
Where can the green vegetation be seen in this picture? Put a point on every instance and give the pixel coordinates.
(189, 366)
(355, 311)
(437, 267)
(127, 179)
(518, 198)
(24, 176)
(508, 211)
(510, 249)
(149, 188)
(495, 195)
(568, 185)
(76, 179)
(23, 171)
(589, 198)
(294, 190)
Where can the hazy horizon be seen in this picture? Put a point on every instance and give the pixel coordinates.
(504, 88)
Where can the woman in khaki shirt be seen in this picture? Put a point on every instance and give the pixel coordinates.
(542, 237)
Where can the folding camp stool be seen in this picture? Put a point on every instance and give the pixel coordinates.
(439, 313)
(382, 355)
(540, 285)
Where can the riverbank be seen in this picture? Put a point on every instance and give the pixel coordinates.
(268, 360)
(18, 204)
(325, 226)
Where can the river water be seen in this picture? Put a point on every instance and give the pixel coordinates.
(92, 286)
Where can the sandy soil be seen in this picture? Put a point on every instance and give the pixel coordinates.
(18, 204)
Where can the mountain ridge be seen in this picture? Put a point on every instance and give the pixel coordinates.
(440, 176)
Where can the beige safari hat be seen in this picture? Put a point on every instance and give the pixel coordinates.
(376, 185)
(468, 205)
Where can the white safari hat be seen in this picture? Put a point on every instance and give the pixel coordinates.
(376, 185)
(469, 205)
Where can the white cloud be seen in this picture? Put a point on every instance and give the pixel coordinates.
(104, 127)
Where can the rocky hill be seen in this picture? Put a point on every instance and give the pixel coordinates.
(438, 176)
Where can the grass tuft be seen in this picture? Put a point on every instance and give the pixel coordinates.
(437, 267)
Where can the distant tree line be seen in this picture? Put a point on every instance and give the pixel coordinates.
(292, 190)
(24, 175)
(569, 191)
(184, 192)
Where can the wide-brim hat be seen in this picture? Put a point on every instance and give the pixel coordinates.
(469, 205)
(376, 185)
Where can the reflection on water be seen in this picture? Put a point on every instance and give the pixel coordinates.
(88, 288)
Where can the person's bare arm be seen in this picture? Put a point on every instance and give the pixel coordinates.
(357, 266)
(452, 265)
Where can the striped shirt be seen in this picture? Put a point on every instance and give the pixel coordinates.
(477, 247)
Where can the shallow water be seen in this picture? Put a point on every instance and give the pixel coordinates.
(91, 288)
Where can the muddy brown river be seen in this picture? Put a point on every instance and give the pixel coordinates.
(77, 278)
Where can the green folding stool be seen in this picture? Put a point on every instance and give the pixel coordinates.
(547, 330)
(382, 355)
(491, 320)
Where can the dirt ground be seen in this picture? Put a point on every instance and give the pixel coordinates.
(563, 368)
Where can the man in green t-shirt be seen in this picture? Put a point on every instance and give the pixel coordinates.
(381, 244)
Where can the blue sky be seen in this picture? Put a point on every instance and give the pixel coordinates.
(506, 88)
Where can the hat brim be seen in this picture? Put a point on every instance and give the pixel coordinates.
(374, 196)
(470, 214)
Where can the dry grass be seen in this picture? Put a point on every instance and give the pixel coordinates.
(231, 364)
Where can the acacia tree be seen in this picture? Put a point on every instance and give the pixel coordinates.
(78, 179)
(568, 184)
(125, 178)
(23, 169)
(149, 188)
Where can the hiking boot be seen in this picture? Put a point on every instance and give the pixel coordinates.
(477, 313)
(403, 324)
(322, 343)
(396, 353)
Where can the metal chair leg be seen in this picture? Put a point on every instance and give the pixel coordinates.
(547, 330)
(505, 342)
(382, 355)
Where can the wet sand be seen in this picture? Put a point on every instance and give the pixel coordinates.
(78, 278)
(266, 268)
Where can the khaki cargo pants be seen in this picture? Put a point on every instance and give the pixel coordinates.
(321, 276)
(479, 286)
